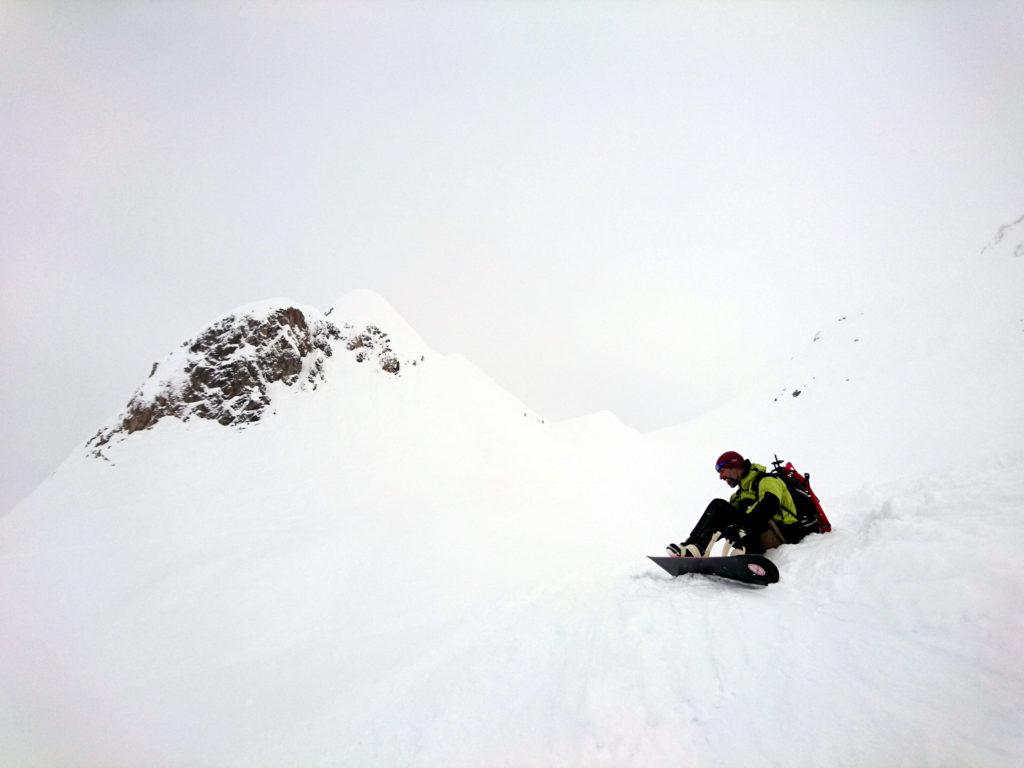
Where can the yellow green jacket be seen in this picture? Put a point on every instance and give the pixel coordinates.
(754, 485)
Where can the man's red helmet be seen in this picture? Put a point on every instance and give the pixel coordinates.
(729, 460)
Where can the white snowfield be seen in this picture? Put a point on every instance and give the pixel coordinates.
(416, 570)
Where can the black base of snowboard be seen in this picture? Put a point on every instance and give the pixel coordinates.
(750, 569)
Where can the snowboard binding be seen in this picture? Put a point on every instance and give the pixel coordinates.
(692, 550)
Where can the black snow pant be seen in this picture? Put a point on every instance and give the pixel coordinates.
(759, 535)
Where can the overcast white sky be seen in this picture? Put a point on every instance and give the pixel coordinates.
(591, 201)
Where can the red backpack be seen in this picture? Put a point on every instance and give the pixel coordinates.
(810, 516)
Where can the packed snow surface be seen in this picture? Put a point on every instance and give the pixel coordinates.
(417, 570)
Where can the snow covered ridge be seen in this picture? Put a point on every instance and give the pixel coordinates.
(225, 374)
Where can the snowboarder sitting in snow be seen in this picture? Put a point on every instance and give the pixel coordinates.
(760, 515)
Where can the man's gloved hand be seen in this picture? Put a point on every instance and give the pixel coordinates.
(735, 535)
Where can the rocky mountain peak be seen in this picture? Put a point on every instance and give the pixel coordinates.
(226, 372)
(364, 308)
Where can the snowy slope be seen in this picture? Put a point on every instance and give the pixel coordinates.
(412, 568)
(927, 377)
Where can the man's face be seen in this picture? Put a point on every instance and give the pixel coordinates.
(731, 476)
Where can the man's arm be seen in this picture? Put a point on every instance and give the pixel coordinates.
(763, 510)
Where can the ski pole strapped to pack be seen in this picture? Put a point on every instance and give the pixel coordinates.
(810, 515)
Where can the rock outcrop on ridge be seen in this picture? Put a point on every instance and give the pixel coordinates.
(225, 373)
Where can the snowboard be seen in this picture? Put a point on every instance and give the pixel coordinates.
(749, 569)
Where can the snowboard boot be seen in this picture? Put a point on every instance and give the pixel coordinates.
(686, 549)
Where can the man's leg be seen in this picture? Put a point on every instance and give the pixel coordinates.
(770, 538)
(719, 515)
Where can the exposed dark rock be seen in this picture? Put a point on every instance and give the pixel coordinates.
(1002, 232)
(229, 368)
